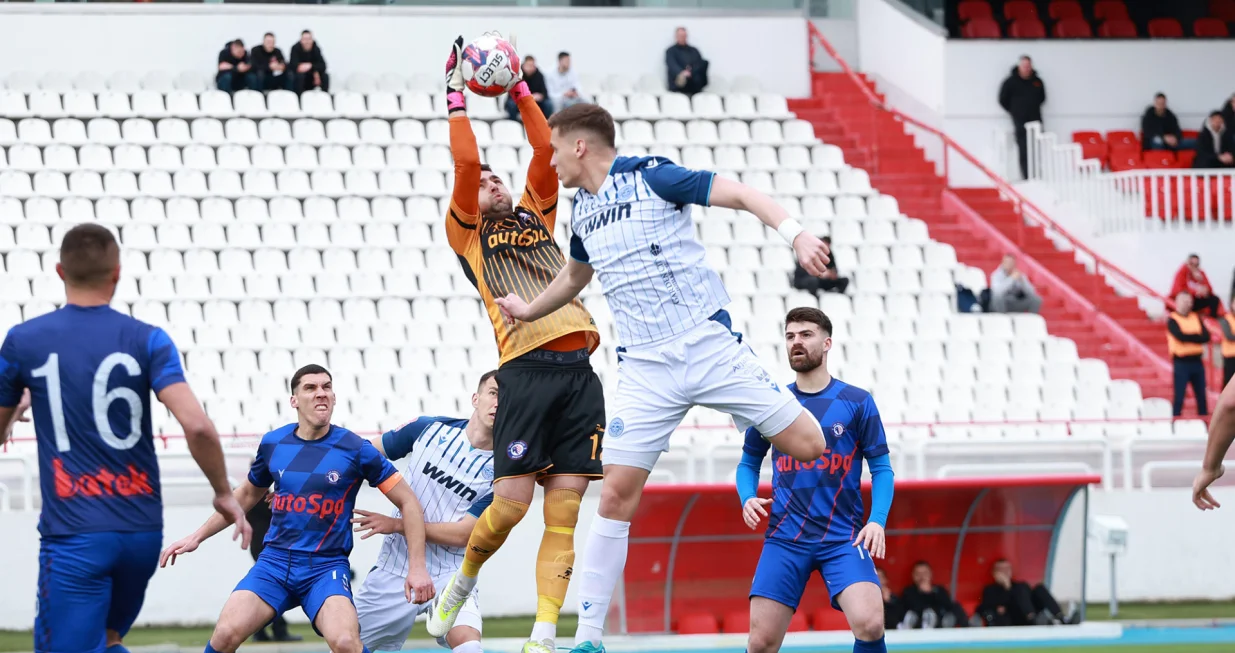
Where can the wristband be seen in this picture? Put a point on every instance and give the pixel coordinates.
(519, 91)
(455, 101)
(789, 230)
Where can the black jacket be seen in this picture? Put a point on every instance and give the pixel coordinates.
(1023, 98)
(536, 83)
(1153, 125)
(261, 59)
(1228, 113)
(314, 56)
(678, 57)
(1206, 156)
(225, 56)
(918, 601)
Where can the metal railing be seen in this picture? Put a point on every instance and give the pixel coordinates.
(1129, 200)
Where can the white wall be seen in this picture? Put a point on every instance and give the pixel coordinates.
(380, 39)
(904, 49)
(843, 35)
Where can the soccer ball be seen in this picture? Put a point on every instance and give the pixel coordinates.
(490, 65)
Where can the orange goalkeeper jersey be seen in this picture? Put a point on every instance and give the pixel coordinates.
(516, 254)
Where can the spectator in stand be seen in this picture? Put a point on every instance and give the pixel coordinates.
(563, 84)
(893, 610)
(1228, 342)
(536, 84)
(1022, 96)
(235, 71)
(270, 66)
(1011, 292)
(928, 605)
(308, 65)
(1191, 279)
(1160, 128)
(831, 281)
(1228, 111)
(1186, 337)
(688, 70)
(1006, 602)
(1215, 147)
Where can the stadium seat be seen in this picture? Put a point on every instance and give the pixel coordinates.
(1223, 10)
(1159, 159)
(1210, 28)
(1165, 28)
(698, 624)
(1027, 28)
(1065, 9)
(1108, 9)
(981, 28)
(1014, 10)
(1121, 140)
(1118, 28)
(968, 10)
(1073, 28)
(1093, 145)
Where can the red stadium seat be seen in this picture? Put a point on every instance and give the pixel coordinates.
(1165, 28)
(1159, 159)
(1191, 133)
(981, 28)
(1020, 9)
(698, 624)
(1186, 157)
(1222, 10)
(1118, 28)
(736, 622)
(1108, 9)
(1120, 140)
(1073, 28)
(829, 619)
(970, 9)
(1027, 28)
(798, 623)
(1061, 9)
(1125, 160)
(1093, 146)
(1210, 28)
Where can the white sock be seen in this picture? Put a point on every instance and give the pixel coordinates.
(600, 569)
(468, 647)
(543, 630)
(463, 586)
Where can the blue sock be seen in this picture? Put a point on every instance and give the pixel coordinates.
(209, 648)
(117, 648)
(877, 646)
(365, 649)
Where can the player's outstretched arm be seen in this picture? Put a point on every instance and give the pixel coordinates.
(419, 585)
(1221, 434)
(203, 441)
(456, 533)
(541, 177)
(567, 285)
(812, 252)
(246, 495)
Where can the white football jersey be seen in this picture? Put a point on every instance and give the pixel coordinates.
(450, 478)
(637, 233)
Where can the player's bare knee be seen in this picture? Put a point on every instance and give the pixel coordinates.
(618, 501)
(226, 638)
(763, 641)
(868, 626)
(345, 642)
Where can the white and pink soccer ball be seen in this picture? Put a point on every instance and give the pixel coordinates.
(490, 65)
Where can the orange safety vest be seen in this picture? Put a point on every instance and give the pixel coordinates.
(1190, 325)
(1228, 346)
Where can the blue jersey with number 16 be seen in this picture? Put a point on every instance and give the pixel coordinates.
(90, 371)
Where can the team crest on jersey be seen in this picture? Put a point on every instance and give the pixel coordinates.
(516, 450)
(838, 429)
(616, 428)
(486, 472)
(332, 476)
(626, 193)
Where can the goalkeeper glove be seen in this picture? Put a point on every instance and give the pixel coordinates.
(454, 78)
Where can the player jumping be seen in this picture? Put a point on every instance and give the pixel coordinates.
(88, 372)
(632, 224)
(817, 507)
(551, 415)
(305, 559)
(450, 468)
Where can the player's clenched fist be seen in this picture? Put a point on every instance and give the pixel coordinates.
(871, 538)
(419, 586)
(812, 253)
(754, 510)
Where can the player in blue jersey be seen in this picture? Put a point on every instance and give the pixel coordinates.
(316, 469)
(815, 522)
(88, 371)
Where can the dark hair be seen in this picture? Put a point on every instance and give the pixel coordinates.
(306, 32)
(270, 34)
(239, 42)
(1195, 256)
(563, 53)
(528, 57)
(1215, 113)
(1160, 94)
(485, 377)
(591, 118)
(812, 315)
(308, 369)
(484, 167)
(88, 255)
(922, 563)
(1026, 58)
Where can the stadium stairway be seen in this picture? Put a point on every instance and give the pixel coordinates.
(878, 142)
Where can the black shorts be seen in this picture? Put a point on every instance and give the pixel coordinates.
(550, 417)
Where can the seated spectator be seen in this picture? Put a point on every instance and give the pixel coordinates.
(1160, 128)
(1011, 292)
(1006, 602)
(563, 84)
(536, 85)
(1215, 147)
(270, 66)
(928, 605)
(308, 65)
(893, 611)
(235, 71)
(688, 70)
(830, 282)
(1191, 279)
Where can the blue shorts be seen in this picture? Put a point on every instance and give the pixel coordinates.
(285, 579)
(785, 566)
(89, 584)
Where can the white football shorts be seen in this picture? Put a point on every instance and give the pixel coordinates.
(386, 618)
(706, 366)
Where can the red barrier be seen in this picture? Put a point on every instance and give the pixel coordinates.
(690, 552)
